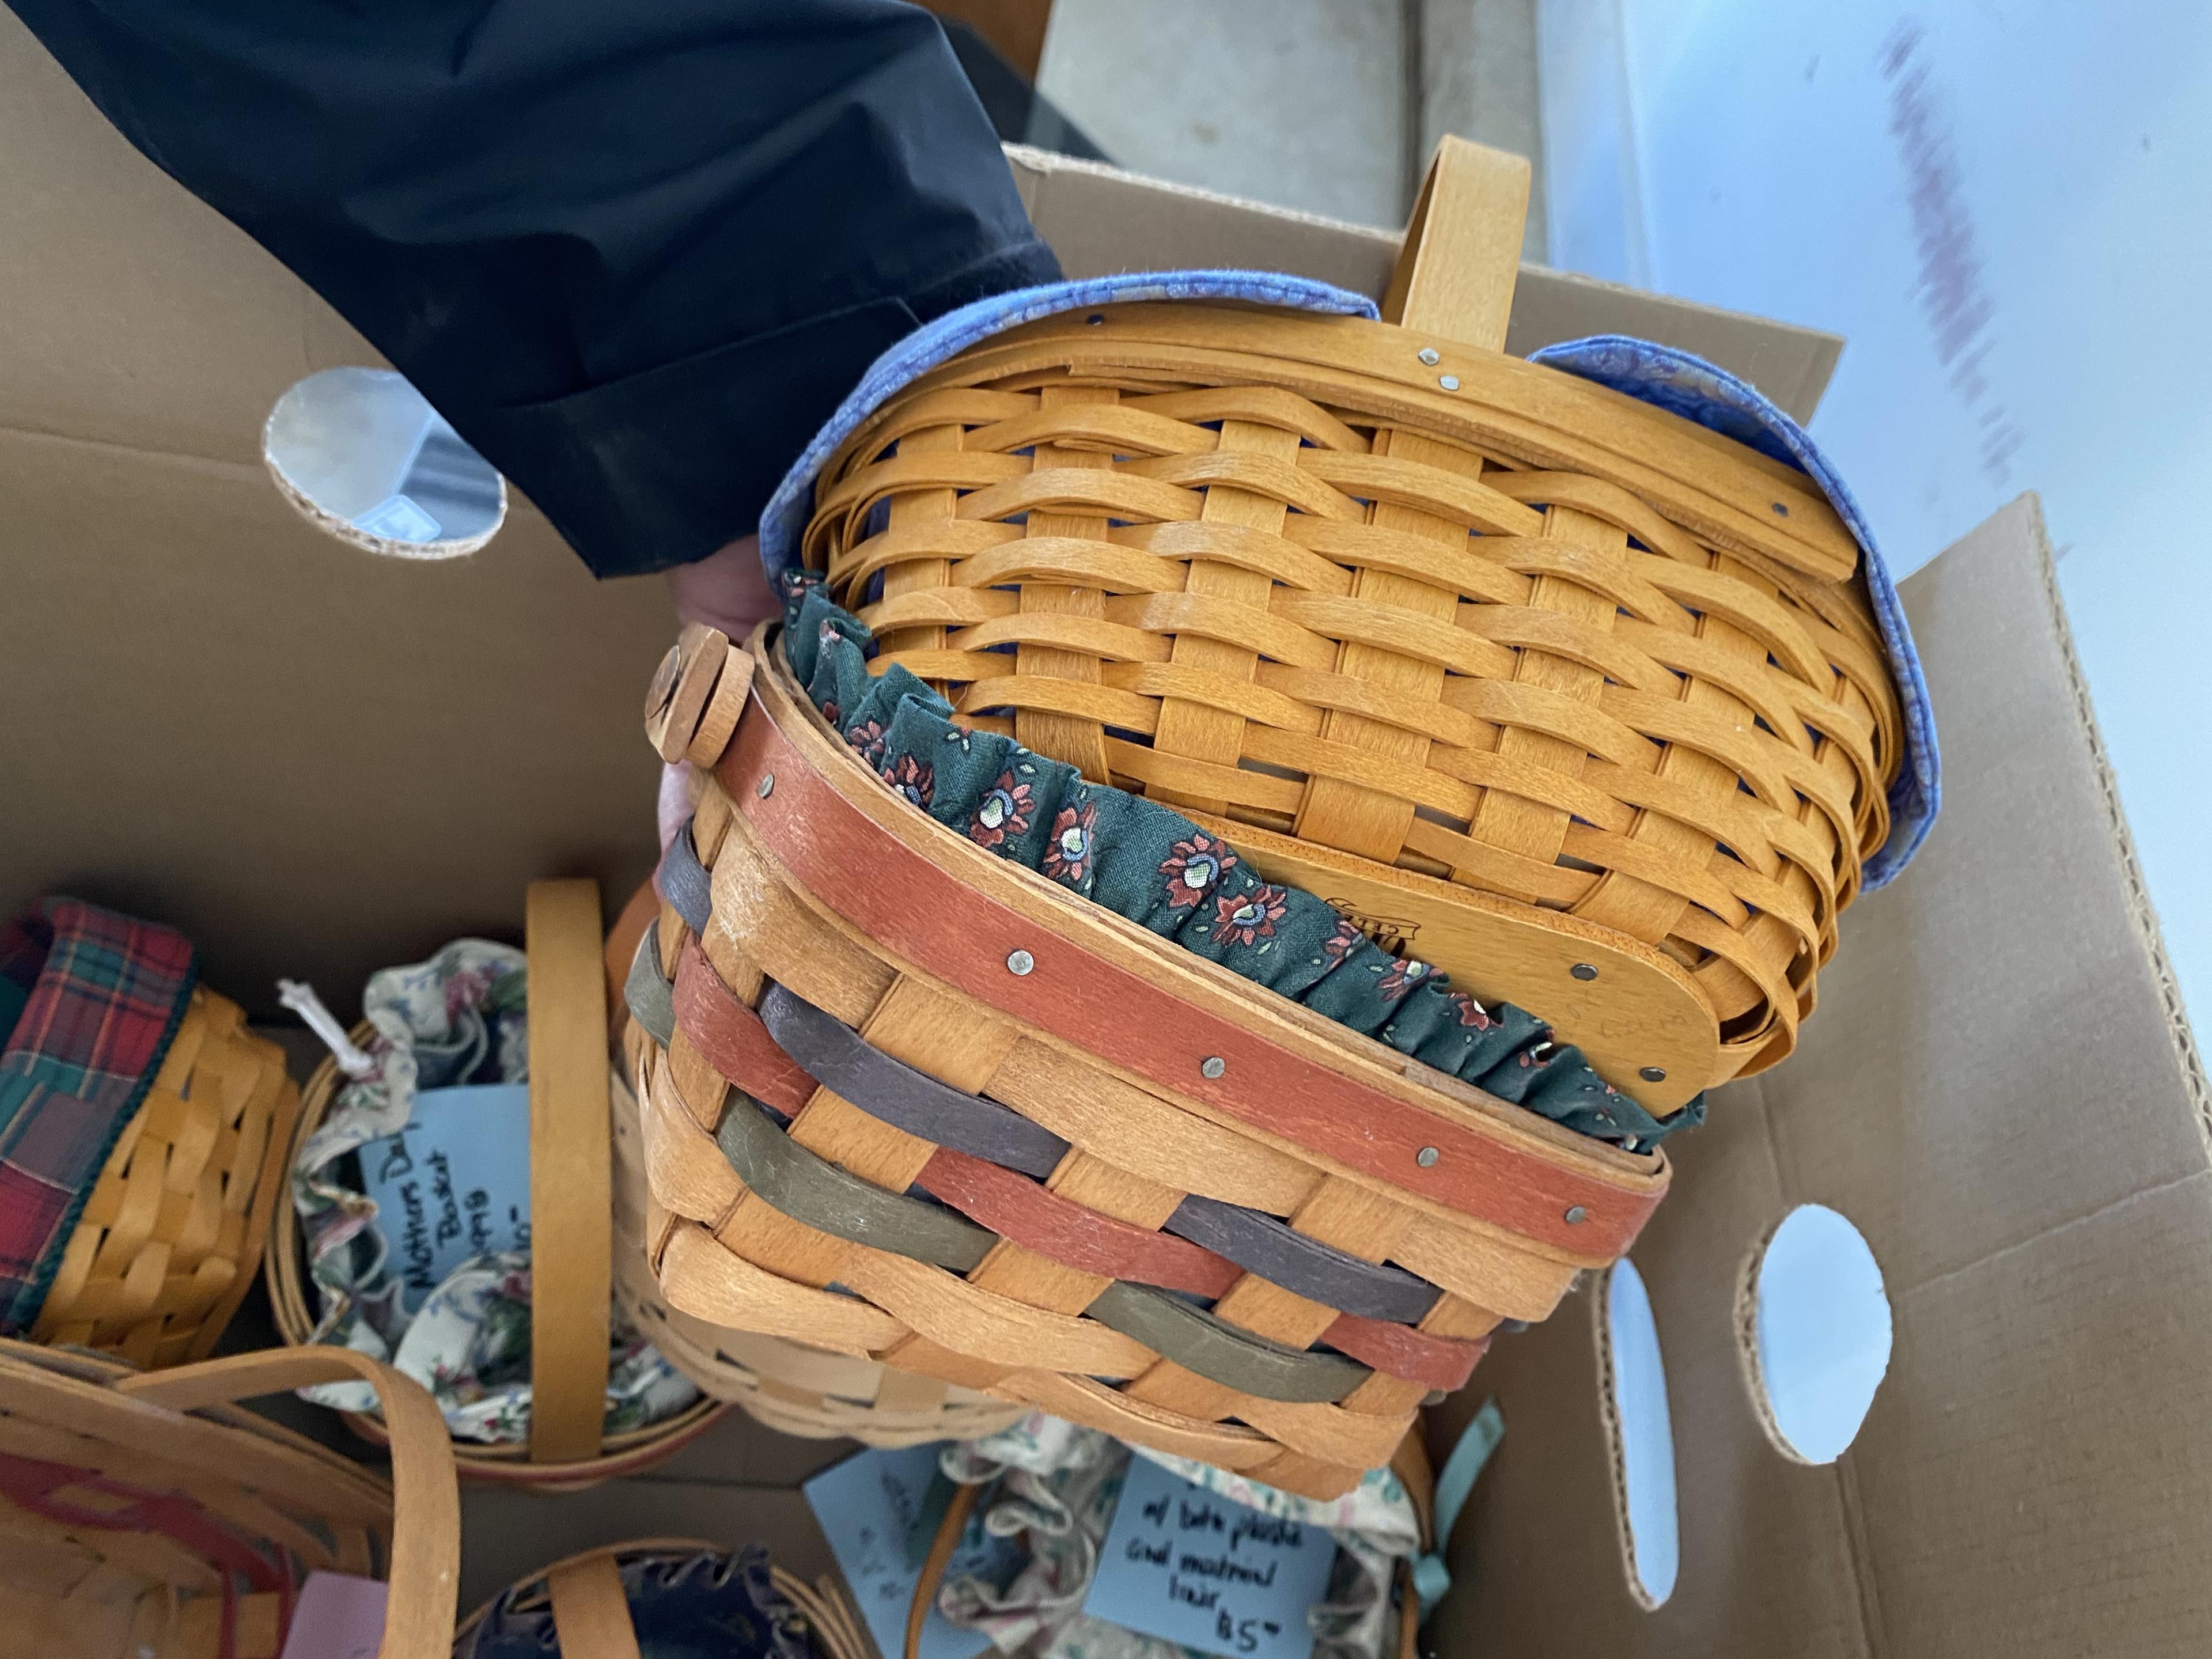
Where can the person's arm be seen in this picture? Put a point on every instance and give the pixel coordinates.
(636, 254)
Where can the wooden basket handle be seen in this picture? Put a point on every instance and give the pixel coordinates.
(933, 1565)
(426, 1503)
(1455, 275)
(571, 1173)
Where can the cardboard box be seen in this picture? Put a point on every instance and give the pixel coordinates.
(319, 763)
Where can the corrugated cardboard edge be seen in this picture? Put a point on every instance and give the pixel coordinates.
(1100, 219)
(1994, 1091)
(2144, 913)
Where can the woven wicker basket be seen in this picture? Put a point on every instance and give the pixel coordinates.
(591, 1615)
(571, 1238)
(1558, 691)
(793, 1389)
(820, 928)
(168, 1239)
(142, 1514)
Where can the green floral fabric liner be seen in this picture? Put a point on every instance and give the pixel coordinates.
(1151, 865)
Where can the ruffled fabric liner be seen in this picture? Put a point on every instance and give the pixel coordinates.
(1155, 867)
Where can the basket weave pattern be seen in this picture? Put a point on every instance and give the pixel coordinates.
(1526, 635)
(172, 1231)
(1069, 1188)
(793, 1389)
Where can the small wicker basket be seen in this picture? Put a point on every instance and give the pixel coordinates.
(1068, 1087)
(168, 1240)
(145, 1517)
(1556, 690)
(591, 1617)
(572, 1243)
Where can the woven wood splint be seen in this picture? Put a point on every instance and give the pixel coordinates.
(1556, 690)
(1167, 1204)
(170, 1236)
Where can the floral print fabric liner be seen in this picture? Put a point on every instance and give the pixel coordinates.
(1155, 867)
(459, 1017)
(1059, 1485)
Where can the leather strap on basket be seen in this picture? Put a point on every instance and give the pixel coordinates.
(908, 904)
(571, 1173)
(424, 1570)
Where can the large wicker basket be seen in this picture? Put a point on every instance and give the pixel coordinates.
(572, 1240)
(170, 1236)
(144, 1516)
(1554, 690)
(1068, 1085)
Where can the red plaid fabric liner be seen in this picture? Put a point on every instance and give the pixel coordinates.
(96, 999)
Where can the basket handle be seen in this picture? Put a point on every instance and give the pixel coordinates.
(426, 1503)
(571, 1173)
(1455, 275)
(933, 1566)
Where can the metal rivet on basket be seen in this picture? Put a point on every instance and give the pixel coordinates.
(1431, 356)
(1782, 509)
(1576, 1215)
(766, 787)
(1426, 1157)
(1583, 970)
(1653, 1074)
(1448, 382)
(1213, 1066)
(1095, 318)
(1020, 962)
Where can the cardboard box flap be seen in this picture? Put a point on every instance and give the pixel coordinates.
(1099, 219)
(2001, 1092)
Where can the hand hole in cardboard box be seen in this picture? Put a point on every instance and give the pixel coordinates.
(364, 458)
(1813, 1323)
(1640, 1433)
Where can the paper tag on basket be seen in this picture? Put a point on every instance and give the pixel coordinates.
(1189, 1565)
(336, 1616)
(866, 1506)
(454, 1183)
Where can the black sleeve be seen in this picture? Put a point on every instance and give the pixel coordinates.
(634, 252)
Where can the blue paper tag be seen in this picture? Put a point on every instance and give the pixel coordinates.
(867, 1505)
(1189, 1565)
(454, 1183)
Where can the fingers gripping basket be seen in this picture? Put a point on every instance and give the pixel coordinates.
(142, 1516)
(1563, 693)
(572, 1243)
(1115, 1132)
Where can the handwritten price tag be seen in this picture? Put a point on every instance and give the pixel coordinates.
(1191, 1566)
(454, 1183)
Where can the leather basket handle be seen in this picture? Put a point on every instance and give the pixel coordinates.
(571, 1173)
(426, 1503)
